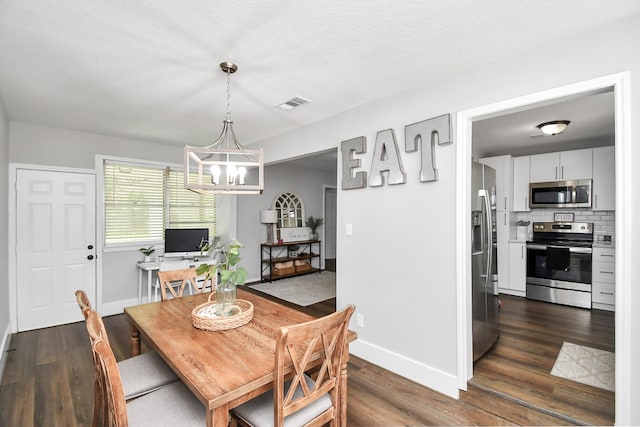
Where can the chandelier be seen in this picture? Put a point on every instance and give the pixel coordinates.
(224, 167)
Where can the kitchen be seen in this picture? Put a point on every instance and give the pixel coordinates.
(551, 248)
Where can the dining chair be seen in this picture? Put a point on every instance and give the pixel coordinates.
(140, 374)
(173, 283)
(173, 405)
(168, 265)
(296, 399)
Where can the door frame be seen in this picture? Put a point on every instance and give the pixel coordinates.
(621, 86)
(12, 235)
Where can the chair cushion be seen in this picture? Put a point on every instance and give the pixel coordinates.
(172, 405)
(259, 410)
(144, 373)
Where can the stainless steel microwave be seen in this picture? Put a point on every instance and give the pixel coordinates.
(560, 194)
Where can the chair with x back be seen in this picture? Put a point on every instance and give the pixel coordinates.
(173, 283)
(314, 349)
(172, 405)
(140, 374)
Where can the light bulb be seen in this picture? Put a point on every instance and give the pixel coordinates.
(215, 173)
(242, 172)
(231, 173)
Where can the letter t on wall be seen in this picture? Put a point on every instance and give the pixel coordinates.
(424, 134)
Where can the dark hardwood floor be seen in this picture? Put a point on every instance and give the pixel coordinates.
(48, 376)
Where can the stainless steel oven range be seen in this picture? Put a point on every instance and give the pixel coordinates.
(559, 263)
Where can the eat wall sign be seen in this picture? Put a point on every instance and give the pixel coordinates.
(386, 164)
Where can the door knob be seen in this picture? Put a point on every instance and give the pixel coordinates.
(90, 247)
(90, 257)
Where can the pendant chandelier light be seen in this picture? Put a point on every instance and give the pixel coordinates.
(224, 167)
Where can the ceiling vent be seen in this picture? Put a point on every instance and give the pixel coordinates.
(294, 102)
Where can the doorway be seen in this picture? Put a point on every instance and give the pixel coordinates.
(620, 85)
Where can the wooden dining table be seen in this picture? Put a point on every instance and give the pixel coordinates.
(223, 369)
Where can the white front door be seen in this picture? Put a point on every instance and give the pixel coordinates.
(55, 246)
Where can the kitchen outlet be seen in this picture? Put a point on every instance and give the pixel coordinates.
(360, 320)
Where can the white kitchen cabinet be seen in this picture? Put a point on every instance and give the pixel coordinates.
(503, 228)
(603, 279)
(504, 179)
(562, 166)
(517, 279)
(604, 177)
(520, 184)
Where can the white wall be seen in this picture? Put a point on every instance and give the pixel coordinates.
(306, 183)
(4, 231)
(399, 266)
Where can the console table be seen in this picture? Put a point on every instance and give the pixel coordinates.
(272, 253)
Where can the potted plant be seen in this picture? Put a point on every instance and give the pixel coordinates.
(147, 253)
(230, 275)
(313, 224)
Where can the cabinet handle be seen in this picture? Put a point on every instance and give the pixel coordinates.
(606, 272)
(609, 255)
(606, 293)
(595, 201)
(556, 172)
(562, 172)
(505, 203)
(505, 219)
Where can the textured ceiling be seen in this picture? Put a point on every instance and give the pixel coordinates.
(149, 69)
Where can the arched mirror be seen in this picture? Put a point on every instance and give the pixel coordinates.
(290, 210)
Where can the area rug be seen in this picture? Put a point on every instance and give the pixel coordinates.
(586, 365)
(302, 290)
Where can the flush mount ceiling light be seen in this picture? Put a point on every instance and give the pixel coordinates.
(224, 167)
(554, 127)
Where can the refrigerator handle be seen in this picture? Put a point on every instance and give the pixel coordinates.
(489, 231)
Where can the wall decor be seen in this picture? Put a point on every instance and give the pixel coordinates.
(387, 161)
(386, 158)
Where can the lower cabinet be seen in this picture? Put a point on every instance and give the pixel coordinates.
(517, 283)
(603, 279)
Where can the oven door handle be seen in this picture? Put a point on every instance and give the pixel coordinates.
(536, 246)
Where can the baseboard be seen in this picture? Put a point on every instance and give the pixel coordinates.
(6, 342)
(408, 368)
(116, 307)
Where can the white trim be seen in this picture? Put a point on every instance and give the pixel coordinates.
(326, 187)
(4, 347)
(12, 238)
(425, 375)
(621, 84)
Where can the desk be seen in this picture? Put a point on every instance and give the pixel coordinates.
(223, 369)
(152, 266)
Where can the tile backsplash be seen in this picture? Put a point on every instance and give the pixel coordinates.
(604, 222)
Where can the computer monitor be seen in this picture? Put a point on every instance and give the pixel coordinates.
(184, 242)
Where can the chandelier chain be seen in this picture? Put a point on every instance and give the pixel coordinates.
(228, 95)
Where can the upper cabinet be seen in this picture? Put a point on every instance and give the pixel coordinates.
(504, 180)
(604, 174)
(521, 183)
(562, 166)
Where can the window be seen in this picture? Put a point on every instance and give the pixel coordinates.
(140, 201)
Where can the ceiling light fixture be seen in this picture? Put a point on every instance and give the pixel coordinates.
(224, 167)
(554, 127)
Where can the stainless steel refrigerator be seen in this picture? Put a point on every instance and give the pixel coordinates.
(484, 299)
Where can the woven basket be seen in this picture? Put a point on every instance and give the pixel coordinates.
(283, 271)
(243, 313)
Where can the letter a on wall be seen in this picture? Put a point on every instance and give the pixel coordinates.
(424, 134)
(386, 159)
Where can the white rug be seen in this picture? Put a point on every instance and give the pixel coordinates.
(302, 290)
(586, 365)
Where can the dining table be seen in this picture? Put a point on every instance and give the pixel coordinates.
(223, 369)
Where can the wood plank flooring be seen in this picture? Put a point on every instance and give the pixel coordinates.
(48, 376)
